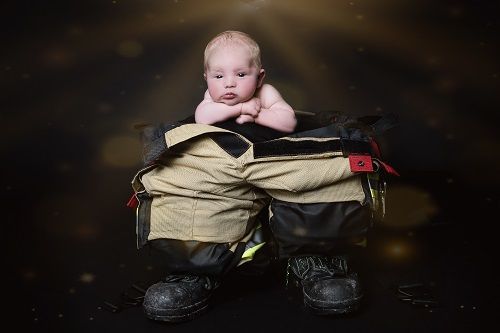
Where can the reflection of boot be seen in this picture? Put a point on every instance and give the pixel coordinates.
(178, 298)
(327, 285)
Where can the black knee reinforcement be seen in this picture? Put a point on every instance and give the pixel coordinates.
(201, 258)
(319, 228)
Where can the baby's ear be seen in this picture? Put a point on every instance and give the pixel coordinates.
(205, 76)
(260, 78)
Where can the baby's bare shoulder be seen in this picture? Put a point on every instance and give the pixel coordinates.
(266, 88)
(267, 91)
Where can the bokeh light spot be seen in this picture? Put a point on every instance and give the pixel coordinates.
(87, 278)
(129, 49)
(29, 275)
(121, 151)
(299, 231)
(104, 108)
(57, 57)
(399, 250)
(408, 206)
(255, 4)
(86, 231)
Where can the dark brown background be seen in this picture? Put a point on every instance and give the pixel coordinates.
(75, 77)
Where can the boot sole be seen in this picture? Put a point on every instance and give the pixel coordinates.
(342, 308)
(178, 314)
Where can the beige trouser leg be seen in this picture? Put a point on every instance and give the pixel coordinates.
(205, 194)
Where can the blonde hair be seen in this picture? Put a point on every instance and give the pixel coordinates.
(231, 37)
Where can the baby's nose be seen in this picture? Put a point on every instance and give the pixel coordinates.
(229, 82)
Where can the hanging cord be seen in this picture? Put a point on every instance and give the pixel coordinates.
(132, 297)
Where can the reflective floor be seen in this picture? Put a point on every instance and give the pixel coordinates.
(433, 277)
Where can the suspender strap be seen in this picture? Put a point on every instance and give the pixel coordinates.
(287, 147)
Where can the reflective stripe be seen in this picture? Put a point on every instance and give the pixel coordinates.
(377, 187)
(255, 242)
(249, 253)
(137, 240)
(362, 242)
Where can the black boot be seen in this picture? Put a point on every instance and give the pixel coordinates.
(178, 298)
(327, 284)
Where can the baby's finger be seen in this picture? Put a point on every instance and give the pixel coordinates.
(257, 103)
(244, 118)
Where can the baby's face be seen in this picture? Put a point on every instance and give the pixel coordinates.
(231, 76)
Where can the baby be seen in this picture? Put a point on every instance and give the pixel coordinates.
(200, 202)
(235, 76)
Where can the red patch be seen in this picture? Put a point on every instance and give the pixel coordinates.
(361, 163)
(133, 202)
(389, 169)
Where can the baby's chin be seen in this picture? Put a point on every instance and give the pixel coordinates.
(230, 102)
(234, 101)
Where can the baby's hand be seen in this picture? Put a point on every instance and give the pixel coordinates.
(251, 107)
(245, 118)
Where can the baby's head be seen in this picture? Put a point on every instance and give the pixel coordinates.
(236, 39)
(233, 67)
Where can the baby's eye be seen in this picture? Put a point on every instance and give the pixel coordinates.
(241, 74)
(218, 76)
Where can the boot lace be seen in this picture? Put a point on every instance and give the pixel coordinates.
(208, 283)
(315, 268)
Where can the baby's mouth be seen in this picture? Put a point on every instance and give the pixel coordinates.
(229, 95)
